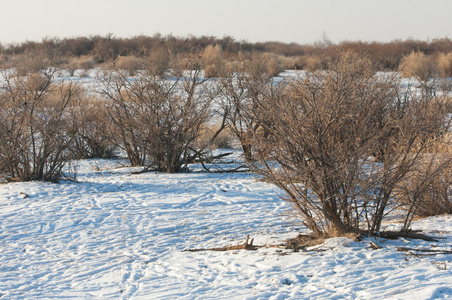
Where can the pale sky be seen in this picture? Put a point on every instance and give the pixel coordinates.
(299, 21)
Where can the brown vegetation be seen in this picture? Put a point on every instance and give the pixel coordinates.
(88, 116)
(419, 65)
(339, 143)
(34, 136)
(103, 49)
(158, 120)
(343, 142)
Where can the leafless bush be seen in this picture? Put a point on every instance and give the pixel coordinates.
(387, 56)
(244, 84)
(437, 196)
(419, 119)
(80, 63)
(131, 64)
(445, 64)
(309, 62)
(158, 120)
(339, 142)
(158, 61)
(213, 136)
(89, 118)
(212, 58)
(419, 65)
(33, 139)
(27, 63)
(262, 63)
(274, 64)
(428, 191)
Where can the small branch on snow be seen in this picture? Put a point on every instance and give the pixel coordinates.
(430, 251)
(374, 246)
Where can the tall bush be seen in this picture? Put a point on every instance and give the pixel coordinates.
(445, 64)
(34, 139)
(159, 119)
(89, 118)
(339, 142)
(419, 65)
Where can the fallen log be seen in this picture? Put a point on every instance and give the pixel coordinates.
(406, 234)
(406, 249)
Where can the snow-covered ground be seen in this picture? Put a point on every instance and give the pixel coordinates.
(115, 235)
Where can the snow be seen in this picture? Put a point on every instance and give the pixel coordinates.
(117, 235)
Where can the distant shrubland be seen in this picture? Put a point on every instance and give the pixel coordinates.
(87, 52)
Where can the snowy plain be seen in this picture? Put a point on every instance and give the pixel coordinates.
(118, 235)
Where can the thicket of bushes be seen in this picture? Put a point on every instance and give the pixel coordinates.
(87, 52)
(344, 144)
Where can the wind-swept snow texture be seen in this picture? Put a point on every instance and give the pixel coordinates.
(115, 235)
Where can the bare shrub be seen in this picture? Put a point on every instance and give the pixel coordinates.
(437, 196)
(445, 64)
(131, 64)
(89, 118)
(274, 64)
(313, 63)
(418, 120)
(35, 61)
(213, 136)
(262, 63)
(37, 82)
(80, 63)
(244, 84)
(158, 120)
(212, 58)
(428, 191)
(419, 65)
(309, 62)
(224, 140)
(158, 61)
(33, 135)
(339, 142)
(387, 56)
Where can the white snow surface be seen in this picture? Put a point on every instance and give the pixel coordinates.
(117, 235)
